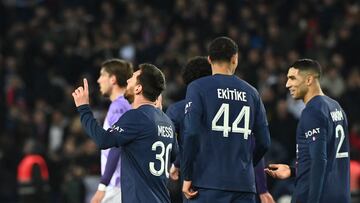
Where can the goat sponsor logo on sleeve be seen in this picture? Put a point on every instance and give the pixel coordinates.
(116, 128)
(188, 107)
(311, 133)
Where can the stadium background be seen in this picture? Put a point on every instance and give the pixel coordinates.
(48, 46)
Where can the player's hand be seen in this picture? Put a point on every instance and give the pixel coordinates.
(266, 198)
(81, 94)
(174, 172)
(98, 197)
(188, 190)
(279, 171)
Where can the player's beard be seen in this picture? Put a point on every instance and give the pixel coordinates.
(301, 93)
(129, 95)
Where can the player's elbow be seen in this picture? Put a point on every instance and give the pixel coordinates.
(101, 143)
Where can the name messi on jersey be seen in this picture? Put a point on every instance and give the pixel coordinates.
(336, 115)
(165, 131)
(232, 94)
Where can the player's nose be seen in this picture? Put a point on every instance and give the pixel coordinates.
(287, 85)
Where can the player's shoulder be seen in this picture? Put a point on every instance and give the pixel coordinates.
(318, 107)
(132, 114)
(120, 103)
(176, 107)
(321, 104)
(201, 81)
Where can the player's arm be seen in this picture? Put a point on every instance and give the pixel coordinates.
(171, 113)
(101, 137)
(261, 186)
(110, 166)
(260, 177)
(115, 112)
(174, 169)
(192, 123)
(261, 133)
(315, 122)
(120, 134)
(104, 139)
(97, 133)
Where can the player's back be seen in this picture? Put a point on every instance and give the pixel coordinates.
(332, 124)
(231, 112)
(146, 159)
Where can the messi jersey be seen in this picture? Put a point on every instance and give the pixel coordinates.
(221, 115)
(323, 173)
(148, 143)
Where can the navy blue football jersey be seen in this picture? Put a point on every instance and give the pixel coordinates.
(221, 114)
(147, 137)
(323, 171)
(176, 113)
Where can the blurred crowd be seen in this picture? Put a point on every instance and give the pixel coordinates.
(48, 46)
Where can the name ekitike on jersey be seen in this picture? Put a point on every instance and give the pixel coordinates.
(165, 131)
(336, 115)
(231, 94)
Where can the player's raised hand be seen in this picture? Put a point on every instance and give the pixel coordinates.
(279, 171)
(188, 191)
(81, 94)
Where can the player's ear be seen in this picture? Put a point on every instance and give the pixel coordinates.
(234, 58)
(113, 79)
(208, 58)
(309, 79)
(138, 89)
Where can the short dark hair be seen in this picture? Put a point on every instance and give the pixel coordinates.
(308, 65)
(196, 68)
(152, 80)
(222, 49)
(121, 69)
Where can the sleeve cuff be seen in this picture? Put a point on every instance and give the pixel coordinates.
(102, 187)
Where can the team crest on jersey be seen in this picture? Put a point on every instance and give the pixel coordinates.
(188, 107)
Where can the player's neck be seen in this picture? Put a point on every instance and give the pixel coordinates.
(116, 92)
(313, 92)
(140, 100)
(223, 69)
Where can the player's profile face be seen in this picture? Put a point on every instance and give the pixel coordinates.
(104, 83)
(131, 84)
(296, 83)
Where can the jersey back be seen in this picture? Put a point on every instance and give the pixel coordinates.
(323, 120)
(230, 112)
(146, 154)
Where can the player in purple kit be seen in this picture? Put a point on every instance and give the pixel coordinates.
(323, 162)
(112, 81)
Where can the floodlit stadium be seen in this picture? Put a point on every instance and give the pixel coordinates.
(47, 48)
